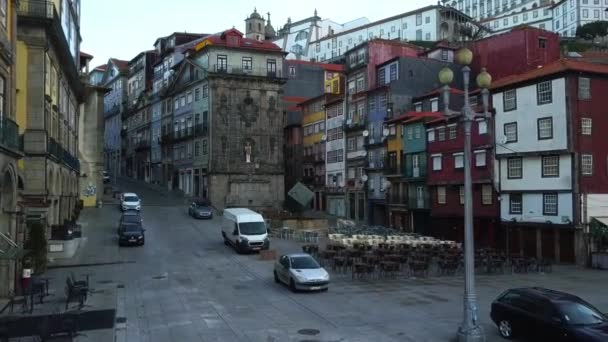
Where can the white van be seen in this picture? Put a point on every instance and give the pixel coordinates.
(244, 229)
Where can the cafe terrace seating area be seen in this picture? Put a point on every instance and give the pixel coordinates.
(374, 252)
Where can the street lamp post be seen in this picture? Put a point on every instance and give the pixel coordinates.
(469, 330)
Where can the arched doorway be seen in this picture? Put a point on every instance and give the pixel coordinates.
(8, 200)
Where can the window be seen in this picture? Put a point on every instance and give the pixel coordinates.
(222, 62)
(3, 12)
(436, 162)
(434, 105)
(444, 55)
(550, 166)
(205, 91)
(461, 194)
(410, 133)
(176, 103)
(441, 196)
(587, 164)
(545, 128)
(197, 148)
(427, 20)
(271, 66)
(482, 127)
(550, 204)
(427, 36)
(480, 158)
(505, 21)
(430, 135)
(596, 14)
(441, 133)
(515, 204)
(197, 94)
(584, 88)
(486, 194)
(393, 72)
(544, 93)
(542, 43)
(247, 63)
(204, 146)
(418, 132)
(511, 132)
(509, 100)
(453, 132)
(381, 76)
(514, 168)
(418, 107)
(189, 97)
(292, 70)
(418, 19)
(586, 127)
(458, 160)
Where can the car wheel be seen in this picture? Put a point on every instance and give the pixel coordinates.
(505, 328)
(292, 285)
(276, 277)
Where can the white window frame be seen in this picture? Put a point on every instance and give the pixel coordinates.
(544, 92)
(586, 126)
(515, 168)
(480, 158)
(508, 131)
(584, 88)
(550, 166)
(550, 200)
(441, 195)
(458, 160)
(509, 100)
(437, 162)
(430, 135)
(461, 194)
(545, 128)
(513, 203)
(482, 124)
(587, 164)
(486, 194)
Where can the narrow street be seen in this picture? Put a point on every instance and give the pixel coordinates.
(186, 285)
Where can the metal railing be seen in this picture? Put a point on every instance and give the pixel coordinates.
(42, 9)
(9, 133)
(62, 155)
(354, 124)
(239, 70)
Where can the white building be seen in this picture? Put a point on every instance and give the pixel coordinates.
(534, 166)
(294, 38)
(562, 17)
(429, 23)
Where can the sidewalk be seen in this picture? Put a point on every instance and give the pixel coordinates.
(95, 320)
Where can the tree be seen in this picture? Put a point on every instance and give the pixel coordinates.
(592, 30)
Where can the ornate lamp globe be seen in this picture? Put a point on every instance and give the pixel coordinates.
(446, 76)
(464, 56)
(484, 79)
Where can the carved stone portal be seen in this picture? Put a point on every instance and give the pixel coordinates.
(248, 110)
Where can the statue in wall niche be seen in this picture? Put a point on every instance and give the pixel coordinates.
(224, 109)
(247, 152)
(248, 110)
(272, 110)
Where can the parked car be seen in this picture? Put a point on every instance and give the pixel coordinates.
(130, 201)
(131, 234)
(106, 177)
(130, 216)
(245, 230)
(301, 271)
(547, 315)
(200, 210)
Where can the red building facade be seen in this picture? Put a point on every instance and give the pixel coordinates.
(515, 52)
(445, 151)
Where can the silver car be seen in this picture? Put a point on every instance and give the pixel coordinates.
(300, 271)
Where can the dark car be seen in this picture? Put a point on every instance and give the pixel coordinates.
(200, 210)
(130, 216)
(547, 315)
(131, 234)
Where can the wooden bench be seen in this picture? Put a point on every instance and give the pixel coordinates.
(75, 292)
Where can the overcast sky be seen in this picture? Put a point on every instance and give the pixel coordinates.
(123, 28)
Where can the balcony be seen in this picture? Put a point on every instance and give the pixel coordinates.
(376, 163)
(335, 190)
(238, 70)
(9, 133)
(62, 155)
(142, 146)
(375, 141)
(166, 138)
(359, 60)
(350, 125)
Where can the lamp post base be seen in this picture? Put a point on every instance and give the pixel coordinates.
(471, 334)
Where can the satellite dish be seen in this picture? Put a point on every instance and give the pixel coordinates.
(364, 178)
(385, 132)
(365, 133)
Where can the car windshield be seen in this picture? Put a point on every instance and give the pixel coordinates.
(580, 314)
(131, 228)
(131, 199)
(202, 207)
(131, 218)
(302, 263)
(252, 228)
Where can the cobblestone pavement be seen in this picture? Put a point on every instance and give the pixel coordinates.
(185, 285)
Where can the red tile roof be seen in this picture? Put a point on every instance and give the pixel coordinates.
(243, 43)
(326, 66)
(85, 55)
(414, 116)
(101, 67)
(556, 67)
(437, 91)
(120, 64)
(294, 99)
